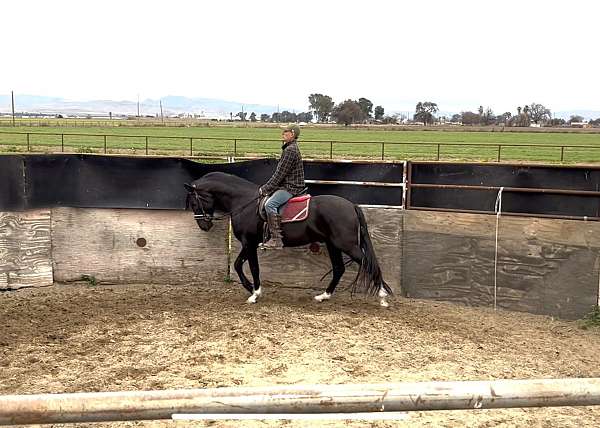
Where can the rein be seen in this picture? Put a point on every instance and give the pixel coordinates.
(231, 213)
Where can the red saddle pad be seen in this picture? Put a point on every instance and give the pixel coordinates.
(296, 209)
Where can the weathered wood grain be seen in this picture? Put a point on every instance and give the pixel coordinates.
(298, 267)
(545, 266)
(25, 249)
(103, 243)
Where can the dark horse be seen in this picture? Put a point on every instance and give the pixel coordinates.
(333, 220)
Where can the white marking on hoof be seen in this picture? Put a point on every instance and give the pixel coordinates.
(255, 295)
(382, 298)
(324, 296)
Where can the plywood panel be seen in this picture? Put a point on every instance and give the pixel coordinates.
(106, 244)
(545, 266)
(298, 267)
(25, 249)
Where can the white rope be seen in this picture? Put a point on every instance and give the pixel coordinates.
(498, 211)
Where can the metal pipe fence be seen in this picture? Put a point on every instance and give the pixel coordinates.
(16, 141)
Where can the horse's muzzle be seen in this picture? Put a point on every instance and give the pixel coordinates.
(205, 225)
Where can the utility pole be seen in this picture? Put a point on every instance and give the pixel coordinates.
(161, 112)
(12, 96)
(138, 106)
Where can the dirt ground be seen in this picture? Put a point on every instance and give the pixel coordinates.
(79, 337)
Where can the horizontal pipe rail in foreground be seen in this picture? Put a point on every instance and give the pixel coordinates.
(152, 405)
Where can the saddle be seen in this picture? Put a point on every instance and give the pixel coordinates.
(296, 209)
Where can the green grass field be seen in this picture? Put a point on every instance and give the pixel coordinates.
(339, 143)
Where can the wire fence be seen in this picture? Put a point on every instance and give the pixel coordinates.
(221, 147)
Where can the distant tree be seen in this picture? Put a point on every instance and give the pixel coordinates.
(521, 120)
(305, 117)
(519, 111)
(557, 122)
(425, 111)
(538, 113)
(241, 115)
(348, 112)
(480, 110)
(504, 118)
(379, 111)
(575, 118)
(264, 117)
(321, 105)
(488, 117)
(252, 117)
(456, 118)
(276, 117)
(595, 122)
(366, 106)
(470, 118)
(287, 116)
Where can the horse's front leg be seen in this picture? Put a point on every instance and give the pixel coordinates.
(239, 268)
(252, 255)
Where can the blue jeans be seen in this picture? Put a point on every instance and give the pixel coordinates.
(276, 200)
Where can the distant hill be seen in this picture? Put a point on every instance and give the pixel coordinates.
(172, 105)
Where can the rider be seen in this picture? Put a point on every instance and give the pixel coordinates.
(287, 181)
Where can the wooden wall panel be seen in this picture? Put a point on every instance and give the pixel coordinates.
(103, 243)
(298, 267)
(545, 266)
(25, 249)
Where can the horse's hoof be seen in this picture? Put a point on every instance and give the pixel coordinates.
(252, 299)
(384, 304)
(323, 296)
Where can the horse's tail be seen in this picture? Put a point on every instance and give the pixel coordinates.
(369, 277)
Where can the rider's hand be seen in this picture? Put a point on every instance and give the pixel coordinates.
(261, 192)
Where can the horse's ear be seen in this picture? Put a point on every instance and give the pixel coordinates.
(189, 187)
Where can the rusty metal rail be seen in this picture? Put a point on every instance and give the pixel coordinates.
(153, 405)
(508, 189)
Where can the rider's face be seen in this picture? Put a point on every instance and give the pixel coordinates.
(287, 136)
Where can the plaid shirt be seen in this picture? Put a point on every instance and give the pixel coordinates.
(289, 174)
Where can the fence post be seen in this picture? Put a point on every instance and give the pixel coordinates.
(235, 147)
(105, 144)
(499, 148)
(62, 142)
(562, 153)
(438, 152)
(331, 150)
(146, 145)
(28, 148)
(382, 150)
(191, 147)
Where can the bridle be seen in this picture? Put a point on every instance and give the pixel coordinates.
(210, 217)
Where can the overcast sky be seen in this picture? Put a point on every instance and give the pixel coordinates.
(460, 54)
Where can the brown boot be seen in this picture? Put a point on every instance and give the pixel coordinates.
(275, 242)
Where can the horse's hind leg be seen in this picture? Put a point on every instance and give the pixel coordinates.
(338, 269)
(356, 255)
(253, 262)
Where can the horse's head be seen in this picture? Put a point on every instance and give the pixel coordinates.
(201, 202)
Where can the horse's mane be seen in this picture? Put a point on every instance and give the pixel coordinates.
(224, 178)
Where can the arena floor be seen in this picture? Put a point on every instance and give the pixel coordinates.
(82, 337)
